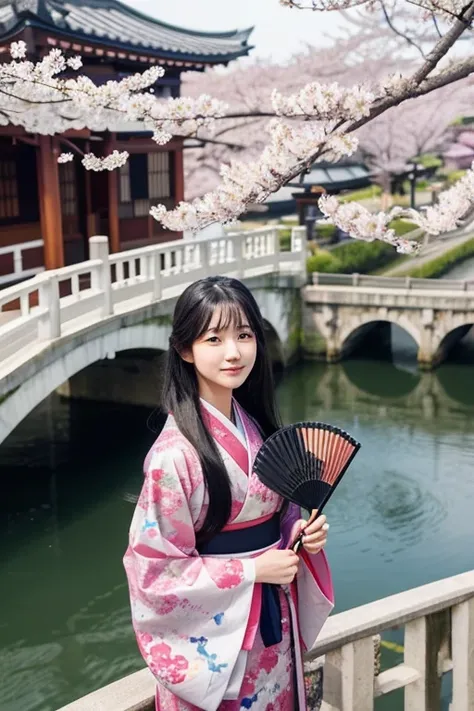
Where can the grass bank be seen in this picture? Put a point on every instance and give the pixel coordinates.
(358, 256)
(438, 266)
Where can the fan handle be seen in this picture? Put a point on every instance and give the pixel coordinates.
(295, 546)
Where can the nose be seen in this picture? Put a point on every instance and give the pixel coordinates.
(232, 352)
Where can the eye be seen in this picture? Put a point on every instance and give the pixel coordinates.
(212, 339)
(244, 336)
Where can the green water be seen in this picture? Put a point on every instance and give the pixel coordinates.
(402, 517)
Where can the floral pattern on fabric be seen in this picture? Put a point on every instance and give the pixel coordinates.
(190, 613)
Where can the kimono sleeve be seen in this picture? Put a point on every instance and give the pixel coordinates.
(315, 593)
(189, 612)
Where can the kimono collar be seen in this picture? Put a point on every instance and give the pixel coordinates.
(226, 433)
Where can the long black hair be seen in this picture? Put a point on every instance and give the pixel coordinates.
(192, 316)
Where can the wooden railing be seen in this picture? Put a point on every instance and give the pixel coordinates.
(17, 253)
(62, 301)
(438, 620)
(381, 282)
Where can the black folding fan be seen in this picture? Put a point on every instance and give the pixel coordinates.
(304, 463)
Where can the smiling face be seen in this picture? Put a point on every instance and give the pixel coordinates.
(224, 355)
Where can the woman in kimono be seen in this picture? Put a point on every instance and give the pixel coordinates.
(221, 606)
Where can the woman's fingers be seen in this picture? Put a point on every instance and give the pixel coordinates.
(319, 524)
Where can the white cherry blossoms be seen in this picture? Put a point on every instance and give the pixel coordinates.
(292, 149)
(33, 96)
(445, 216)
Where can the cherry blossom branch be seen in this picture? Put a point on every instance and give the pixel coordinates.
(399, 33)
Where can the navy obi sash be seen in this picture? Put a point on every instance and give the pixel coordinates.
(246, 540)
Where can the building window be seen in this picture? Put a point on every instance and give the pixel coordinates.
(9, 204)
(144, 179)
(159, 175)
(67, 187)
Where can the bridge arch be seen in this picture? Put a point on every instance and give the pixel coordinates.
(448, 340)
(348, 334)
(20, 402)
(71, 359)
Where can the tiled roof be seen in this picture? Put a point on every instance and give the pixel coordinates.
(113, 23)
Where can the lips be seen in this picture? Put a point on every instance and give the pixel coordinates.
(234, 370)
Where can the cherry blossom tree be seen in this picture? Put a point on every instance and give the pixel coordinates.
(347, 60)
(317, 121)
(420, 126)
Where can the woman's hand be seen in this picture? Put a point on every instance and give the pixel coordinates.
(315, 534)
(276, 566)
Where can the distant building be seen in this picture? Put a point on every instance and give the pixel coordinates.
(49, 210)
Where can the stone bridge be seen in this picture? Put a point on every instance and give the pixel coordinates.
(64, 328)
(340, 310)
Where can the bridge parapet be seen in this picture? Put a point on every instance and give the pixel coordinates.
(339, 309)
(381, 282)
(60, 302)
(438, 620)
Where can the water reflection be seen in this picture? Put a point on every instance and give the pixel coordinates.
(71, 471)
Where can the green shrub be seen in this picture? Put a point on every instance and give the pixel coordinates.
(454, 175)
(428, 160)
(442, 264)
(363, 257)
(284, 237)
(325, 231)
(362, 194)
(402, 227)
(323, 261)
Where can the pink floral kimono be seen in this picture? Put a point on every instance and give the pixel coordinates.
(196, 618)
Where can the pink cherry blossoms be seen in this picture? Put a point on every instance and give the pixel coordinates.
(317, 121)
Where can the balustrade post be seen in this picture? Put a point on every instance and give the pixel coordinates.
(355, 279)
(238, 241)
(463, 656)
(275, 240)
(99, 249)
(49, 326)
(298, 243)
(408, 282)
(157, 290)
(348, 679)
(424, 638)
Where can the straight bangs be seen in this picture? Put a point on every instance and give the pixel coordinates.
(233, 313)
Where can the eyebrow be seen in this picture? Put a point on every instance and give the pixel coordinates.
(215, 330)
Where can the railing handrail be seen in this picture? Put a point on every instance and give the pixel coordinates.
(20, 246)
(39, 308)
(379, 615)
(137, 690)
(361, 281)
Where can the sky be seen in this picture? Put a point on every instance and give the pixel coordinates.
(279, 31)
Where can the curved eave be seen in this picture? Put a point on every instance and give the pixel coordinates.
(131, 48)
(334, 186)
(244, 34)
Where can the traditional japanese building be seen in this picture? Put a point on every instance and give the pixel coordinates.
(49, 210)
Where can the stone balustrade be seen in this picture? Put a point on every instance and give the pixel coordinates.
(438, 622)
(58, 302)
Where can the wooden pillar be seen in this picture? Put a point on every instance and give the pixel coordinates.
(90, 222)
(113, 199)
(178, 176)
(50, 202)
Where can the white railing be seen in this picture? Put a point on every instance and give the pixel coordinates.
(381, 282)
(438, 621)
(17, 250)
(62, 301)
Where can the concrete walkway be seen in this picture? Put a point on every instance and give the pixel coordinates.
(431, 251)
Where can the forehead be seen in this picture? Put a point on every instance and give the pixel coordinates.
(228, 316)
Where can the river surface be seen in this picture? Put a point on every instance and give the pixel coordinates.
(402, 516)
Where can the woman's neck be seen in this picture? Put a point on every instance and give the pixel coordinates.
(221, 399)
